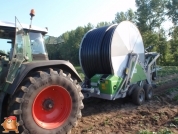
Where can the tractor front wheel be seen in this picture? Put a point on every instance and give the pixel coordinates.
(47, 102)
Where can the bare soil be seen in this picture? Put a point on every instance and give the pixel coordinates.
(123, 117)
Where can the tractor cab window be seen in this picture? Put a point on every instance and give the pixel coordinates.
(37, 43)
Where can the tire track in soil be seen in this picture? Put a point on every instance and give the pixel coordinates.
(123, 117)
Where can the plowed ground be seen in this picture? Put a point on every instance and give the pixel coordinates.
(123, 117)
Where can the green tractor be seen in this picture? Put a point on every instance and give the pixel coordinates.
(44, 95)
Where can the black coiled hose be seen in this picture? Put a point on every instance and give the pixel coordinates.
(95, 52)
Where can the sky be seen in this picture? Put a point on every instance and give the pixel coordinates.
(62, 15)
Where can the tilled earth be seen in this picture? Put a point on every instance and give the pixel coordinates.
(123, 117)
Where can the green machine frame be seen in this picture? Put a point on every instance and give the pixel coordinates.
(111, 87)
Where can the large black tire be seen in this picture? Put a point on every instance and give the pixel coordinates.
(148, 91)
(24, 101)
(154, 76)
(138, 95)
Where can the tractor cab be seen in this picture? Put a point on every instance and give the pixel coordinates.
(30, 39)
(27, 44)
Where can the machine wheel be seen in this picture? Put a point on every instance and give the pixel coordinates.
(138, 96)
(148, 91)
(154, 76)
(47, 102)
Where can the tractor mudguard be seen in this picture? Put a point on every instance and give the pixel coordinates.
(26, 68)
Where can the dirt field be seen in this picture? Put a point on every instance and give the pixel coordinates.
(123, 117)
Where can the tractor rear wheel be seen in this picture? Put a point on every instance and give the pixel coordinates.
(47, 102)
(138, 95)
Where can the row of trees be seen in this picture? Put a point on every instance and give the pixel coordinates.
(149, 17)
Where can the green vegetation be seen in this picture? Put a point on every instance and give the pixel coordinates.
(175, 120)
(149, 18)
(86, 130)
(164, 71)
(67, 45)
(167, 70)
(171, 90)
(162, 131)
(79, 70)
(176, 98)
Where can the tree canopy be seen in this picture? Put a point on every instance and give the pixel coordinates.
(149, 17)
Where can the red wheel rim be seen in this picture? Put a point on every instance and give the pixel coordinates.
(52, 107)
